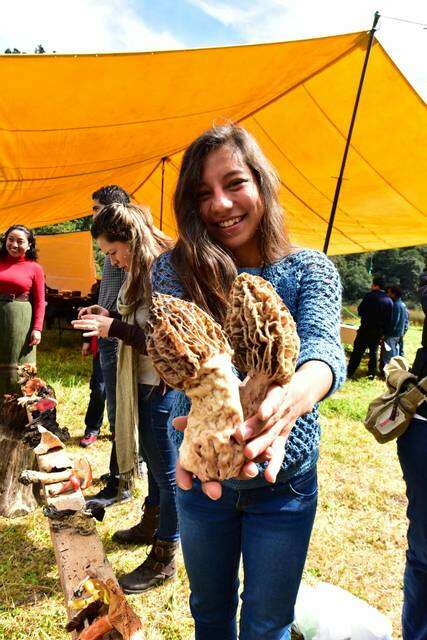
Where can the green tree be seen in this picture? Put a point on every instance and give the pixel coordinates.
(355, 276)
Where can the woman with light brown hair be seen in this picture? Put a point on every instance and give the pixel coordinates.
(127, 235)
(230, 221)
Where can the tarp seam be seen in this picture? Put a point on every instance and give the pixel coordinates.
(356, 150)
(279, 149)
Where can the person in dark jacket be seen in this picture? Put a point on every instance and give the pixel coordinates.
(375, 313)
(393, 339)
(412, 452)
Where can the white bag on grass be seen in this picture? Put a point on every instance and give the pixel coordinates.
(326, 612)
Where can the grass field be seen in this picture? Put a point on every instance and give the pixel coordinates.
(358, 540)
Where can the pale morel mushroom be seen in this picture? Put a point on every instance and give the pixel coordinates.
(263, 335)
(191, 353)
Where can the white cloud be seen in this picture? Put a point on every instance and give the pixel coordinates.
(281, 20)
(68, 26)
(230, 14)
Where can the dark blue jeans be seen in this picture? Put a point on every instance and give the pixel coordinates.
(108, 359)
(160, 456)
(95, 408)
(269, 528)
(412, 451)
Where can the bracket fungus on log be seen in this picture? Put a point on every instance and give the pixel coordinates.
(191, 353)
(263, 335)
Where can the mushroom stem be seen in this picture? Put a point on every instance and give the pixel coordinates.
(253, 391)
(209, 449)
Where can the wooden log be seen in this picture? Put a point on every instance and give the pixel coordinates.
(76, 555)
(348, 333)
(16, 499)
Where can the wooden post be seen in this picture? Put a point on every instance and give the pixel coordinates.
(15, 498)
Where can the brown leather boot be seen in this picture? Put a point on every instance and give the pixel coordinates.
(143, 532)
(157, 568)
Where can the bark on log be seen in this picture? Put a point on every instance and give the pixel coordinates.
(15, 498)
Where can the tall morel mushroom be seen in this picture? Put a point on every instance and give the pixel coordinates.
(263, 335)
(191, 353)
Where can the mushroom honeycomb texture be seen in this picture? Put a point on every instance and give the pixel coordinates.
(191, 353)
(263, 335)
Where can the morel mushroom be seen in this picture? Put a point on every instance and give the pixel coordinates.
(191, 353)
(263, 335)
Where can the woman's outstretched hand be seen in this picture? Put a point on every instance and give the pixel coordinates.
(93, 325)
(265, 433)
(257, 430)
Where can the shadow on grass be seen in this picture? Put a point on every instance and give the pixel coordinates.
(24, 567)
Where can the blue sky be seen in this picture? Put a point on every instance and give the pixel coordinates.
(68, 26)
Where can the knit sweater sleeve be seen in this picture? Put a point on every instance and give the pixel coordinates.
(38, 297)
(164, 278)
(319, 314)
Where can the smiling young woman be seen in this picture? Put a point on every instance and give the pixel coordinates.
(22, 303)
(230, 221)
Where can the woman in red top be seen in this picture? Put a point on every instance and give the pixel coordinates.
(22, 303)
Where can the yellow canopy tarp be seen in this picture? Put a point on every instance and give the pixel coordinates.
(72, 123)
(67, 260)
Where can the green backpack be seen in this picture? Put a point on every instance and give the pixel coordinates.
(389, 415)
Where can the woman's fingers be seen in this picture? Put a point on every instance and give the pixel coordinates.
(179, 423)
(276, 460)
(184, 479)
(258, 445)
(212, 489)
(249, 470)
(90, 324)
(252, 426)
(272, 402)
(82, 312)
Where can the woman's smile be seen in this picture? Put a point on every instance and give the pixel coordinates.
(231, 222)
(230, 204)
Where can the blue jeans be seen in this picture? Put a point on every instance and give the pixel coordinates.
(108, 358)
(269, 528)
(412, 451)
(160, 456)
(394, 343)
(95, 408)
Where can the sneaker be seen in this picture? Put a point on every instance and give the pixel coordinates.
(88, 440)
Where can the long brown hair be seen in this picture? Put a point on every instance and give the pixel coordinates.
(206, 269)
(134, 226)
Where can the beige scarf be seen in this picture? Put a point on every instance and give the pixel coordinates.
(127, 400)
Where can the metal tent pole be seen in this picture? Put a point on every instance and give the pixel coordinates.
(161, 194)
(350, 132)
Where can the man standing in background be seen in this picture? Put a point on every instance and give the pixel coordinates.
(112, 280)
(393, 339)
(375, 313)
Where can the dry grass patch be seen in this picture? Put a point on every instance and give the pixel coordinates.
(358, 540)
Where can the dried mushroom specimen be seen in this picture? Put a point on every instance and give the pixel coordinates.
(263, 335)
(191, 353)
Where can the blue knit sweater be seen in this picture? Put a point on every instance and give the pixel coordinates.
(309, 285)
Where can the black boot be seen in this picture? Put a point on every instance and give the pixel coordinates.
(157, 568)
(143, 532)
